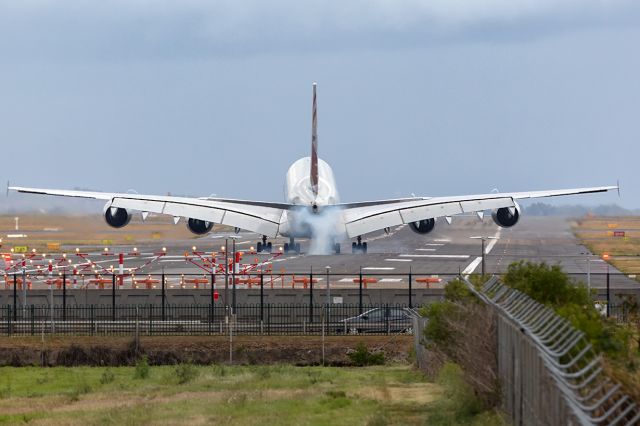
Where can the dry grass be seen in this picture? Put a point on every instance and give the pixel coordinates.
(90, 231)
(219, 394)
(596, 234)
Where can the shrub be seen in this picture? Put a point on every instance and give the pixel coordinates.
(142, 368)
(361, 356)
(186, 372)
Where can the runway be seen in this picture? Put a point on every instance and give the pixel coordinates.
(448, 250)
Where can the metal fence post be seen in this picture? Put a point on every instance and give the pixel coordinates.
(33, 320)
(15, 297)
(113, 297)
(261, 296)
(164, 296)
(64, 296)
(311, 295)
(410, 289)
(360, 293)
(608, 293)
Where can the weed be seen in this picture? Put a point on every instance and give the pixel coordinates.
(5, 391)
(219, 370)
(336, 399)
(107, 377)
(43, 379)
(379, 418)
(185, 373)
(81, 388)
(142, 368)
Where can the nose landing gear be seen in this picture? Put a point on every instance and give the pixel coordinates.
(359, 247)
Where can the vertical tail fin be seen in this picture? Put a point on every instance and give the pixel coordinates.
(314, 144)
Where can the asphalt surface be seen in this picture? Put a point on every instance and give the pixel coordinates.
(445, 252)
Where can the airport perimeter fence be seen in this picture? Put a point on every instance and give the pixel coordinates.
(247, 319)
(605, 284)
(549, 372)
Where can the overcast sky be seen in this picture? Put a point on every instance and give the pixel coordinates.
(432, 97)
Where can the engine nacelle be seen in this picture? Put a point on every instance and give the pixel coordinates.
(116, 217)
(505, 218)
(198, 226)
(423, 226)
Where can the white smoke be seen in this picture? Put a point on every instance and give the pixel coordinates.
(326, 228)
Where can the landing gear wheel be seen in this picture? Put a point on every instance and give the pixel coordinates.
(259, 247)
(269, 247)
(297, 249)
(336, 248)
(364, 248)
(286, 248)
(354, 248)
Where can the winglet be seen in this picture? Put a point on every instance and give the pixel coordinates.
(8, 184)
(618, 186)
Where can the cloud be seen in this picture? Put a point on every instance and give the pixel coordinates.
(53, 29)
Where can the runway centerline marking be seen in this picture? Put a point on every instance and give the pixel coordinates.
(390, 280)
(423, 249)
(434, 244)
(437, 256)
(399, 260)
(378, 268)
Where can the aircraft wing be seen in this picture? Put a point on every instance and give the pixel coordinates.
(260, 217)
(361, 218)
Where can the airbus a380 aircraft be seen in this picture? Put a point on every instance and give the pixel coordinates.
(312, 208)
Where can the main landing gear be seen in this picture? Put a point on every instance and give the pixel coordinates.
(264, 246)
(291, 246)
(359, 247)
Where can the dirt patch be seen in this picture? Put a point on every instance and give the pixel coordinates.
(417, 393)
(117, 351)
(105, 401)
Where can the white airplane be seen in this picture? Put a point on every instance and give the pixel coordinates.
(312, 208)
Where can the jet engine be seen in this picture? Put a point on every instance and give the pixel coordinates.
(423, 226)
(198, 226)
(116, 217)
(506, 217)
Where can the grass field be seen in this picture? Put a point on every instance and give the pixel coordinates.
(219, 394)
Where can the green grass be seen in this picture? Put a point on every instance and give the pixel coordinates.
(277, 395)
(233, 395)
